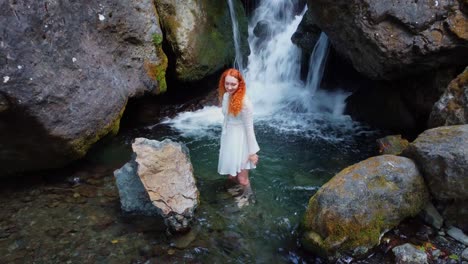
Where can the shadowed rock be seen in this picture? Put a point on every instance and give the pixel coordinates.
(68, 68)
(391, 39)
(452, 107)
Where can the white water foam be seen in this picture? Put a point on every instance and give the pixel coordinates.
(282, 101)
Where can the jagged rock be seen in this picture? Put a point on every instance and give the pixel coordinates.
(393, 145)
(199, 34)
(167, 176)
(134, 199)
(452, 107)
(307, 34)
(391, 39)
(336, 222)
(68, 68)
(442, 156)
(409, 254)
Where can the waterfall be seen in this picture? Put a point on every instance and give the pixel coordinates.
(317, 63)
(282, 101)
(238, 62)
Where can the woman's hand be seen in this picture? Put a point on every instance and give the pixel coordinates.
(253, 158)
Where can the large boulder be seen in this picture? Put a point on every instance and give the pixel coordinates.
(390, 39)
(199, 36)
(167, 176)
(442, 155)
(452, 107)
(68, 68)
(352, 211)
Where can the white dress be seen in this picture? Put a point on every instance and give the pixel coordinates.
(237, 139)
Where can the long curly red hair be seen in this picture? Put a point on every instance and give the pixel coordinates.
(235, 105)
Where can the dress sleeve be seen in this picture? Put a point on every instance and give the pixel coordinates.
(247, 120)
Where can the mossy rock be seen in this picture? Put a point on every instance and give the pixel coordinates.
(199, 35)
(351, 212)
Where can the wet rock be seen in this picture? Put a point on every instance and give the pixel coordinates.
(262, 29)
(183, 241)
(134, 199)
(71, 67)
(432, 216)
(442, 155)
(192, 26)
(307, 34)
(390, 39)
(458, 235)
(166, 174)
(54, 232)
(393, 145)
(465, 254)
(392, 189)
(409, 254)
(452, 107)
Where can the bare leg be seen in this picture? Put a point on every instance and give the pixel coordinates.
(243, 177)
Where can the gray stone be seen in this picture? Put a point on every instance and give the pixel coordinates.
(431, 216)
(409, 254)
(391, 39)
(452, 107)
(68, 69)
(442, 155)
(464, 254)
(134, 199)
(458, 235)
(391, 188)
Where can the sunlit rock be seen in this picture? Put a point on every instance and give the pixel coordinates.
(452, 107)
(166, 174)
(352, 211)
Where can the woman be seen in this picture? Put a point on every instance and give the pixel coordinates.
(238, 151)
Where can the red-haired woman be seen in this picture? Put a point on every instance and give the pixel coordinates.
(238, 151)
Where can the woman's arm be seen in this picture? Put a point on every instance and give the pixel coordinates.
(247, 119)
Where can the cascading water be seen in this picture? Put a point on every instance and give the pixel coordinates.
(281, 99)
(304, 140)
(238, 62)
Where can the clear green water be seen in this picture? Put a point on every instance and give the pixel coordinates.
(291, 169)
(52, 220)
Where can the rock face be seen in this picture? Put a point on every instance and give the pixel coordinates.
(307, 34)
(67, 70)
(363, 201)
(167, 175)
(442, 156)
(390, 39)
(452, 107)
(199, 35)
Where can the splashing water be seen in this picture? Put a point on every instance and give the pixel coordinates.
(282, 101)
